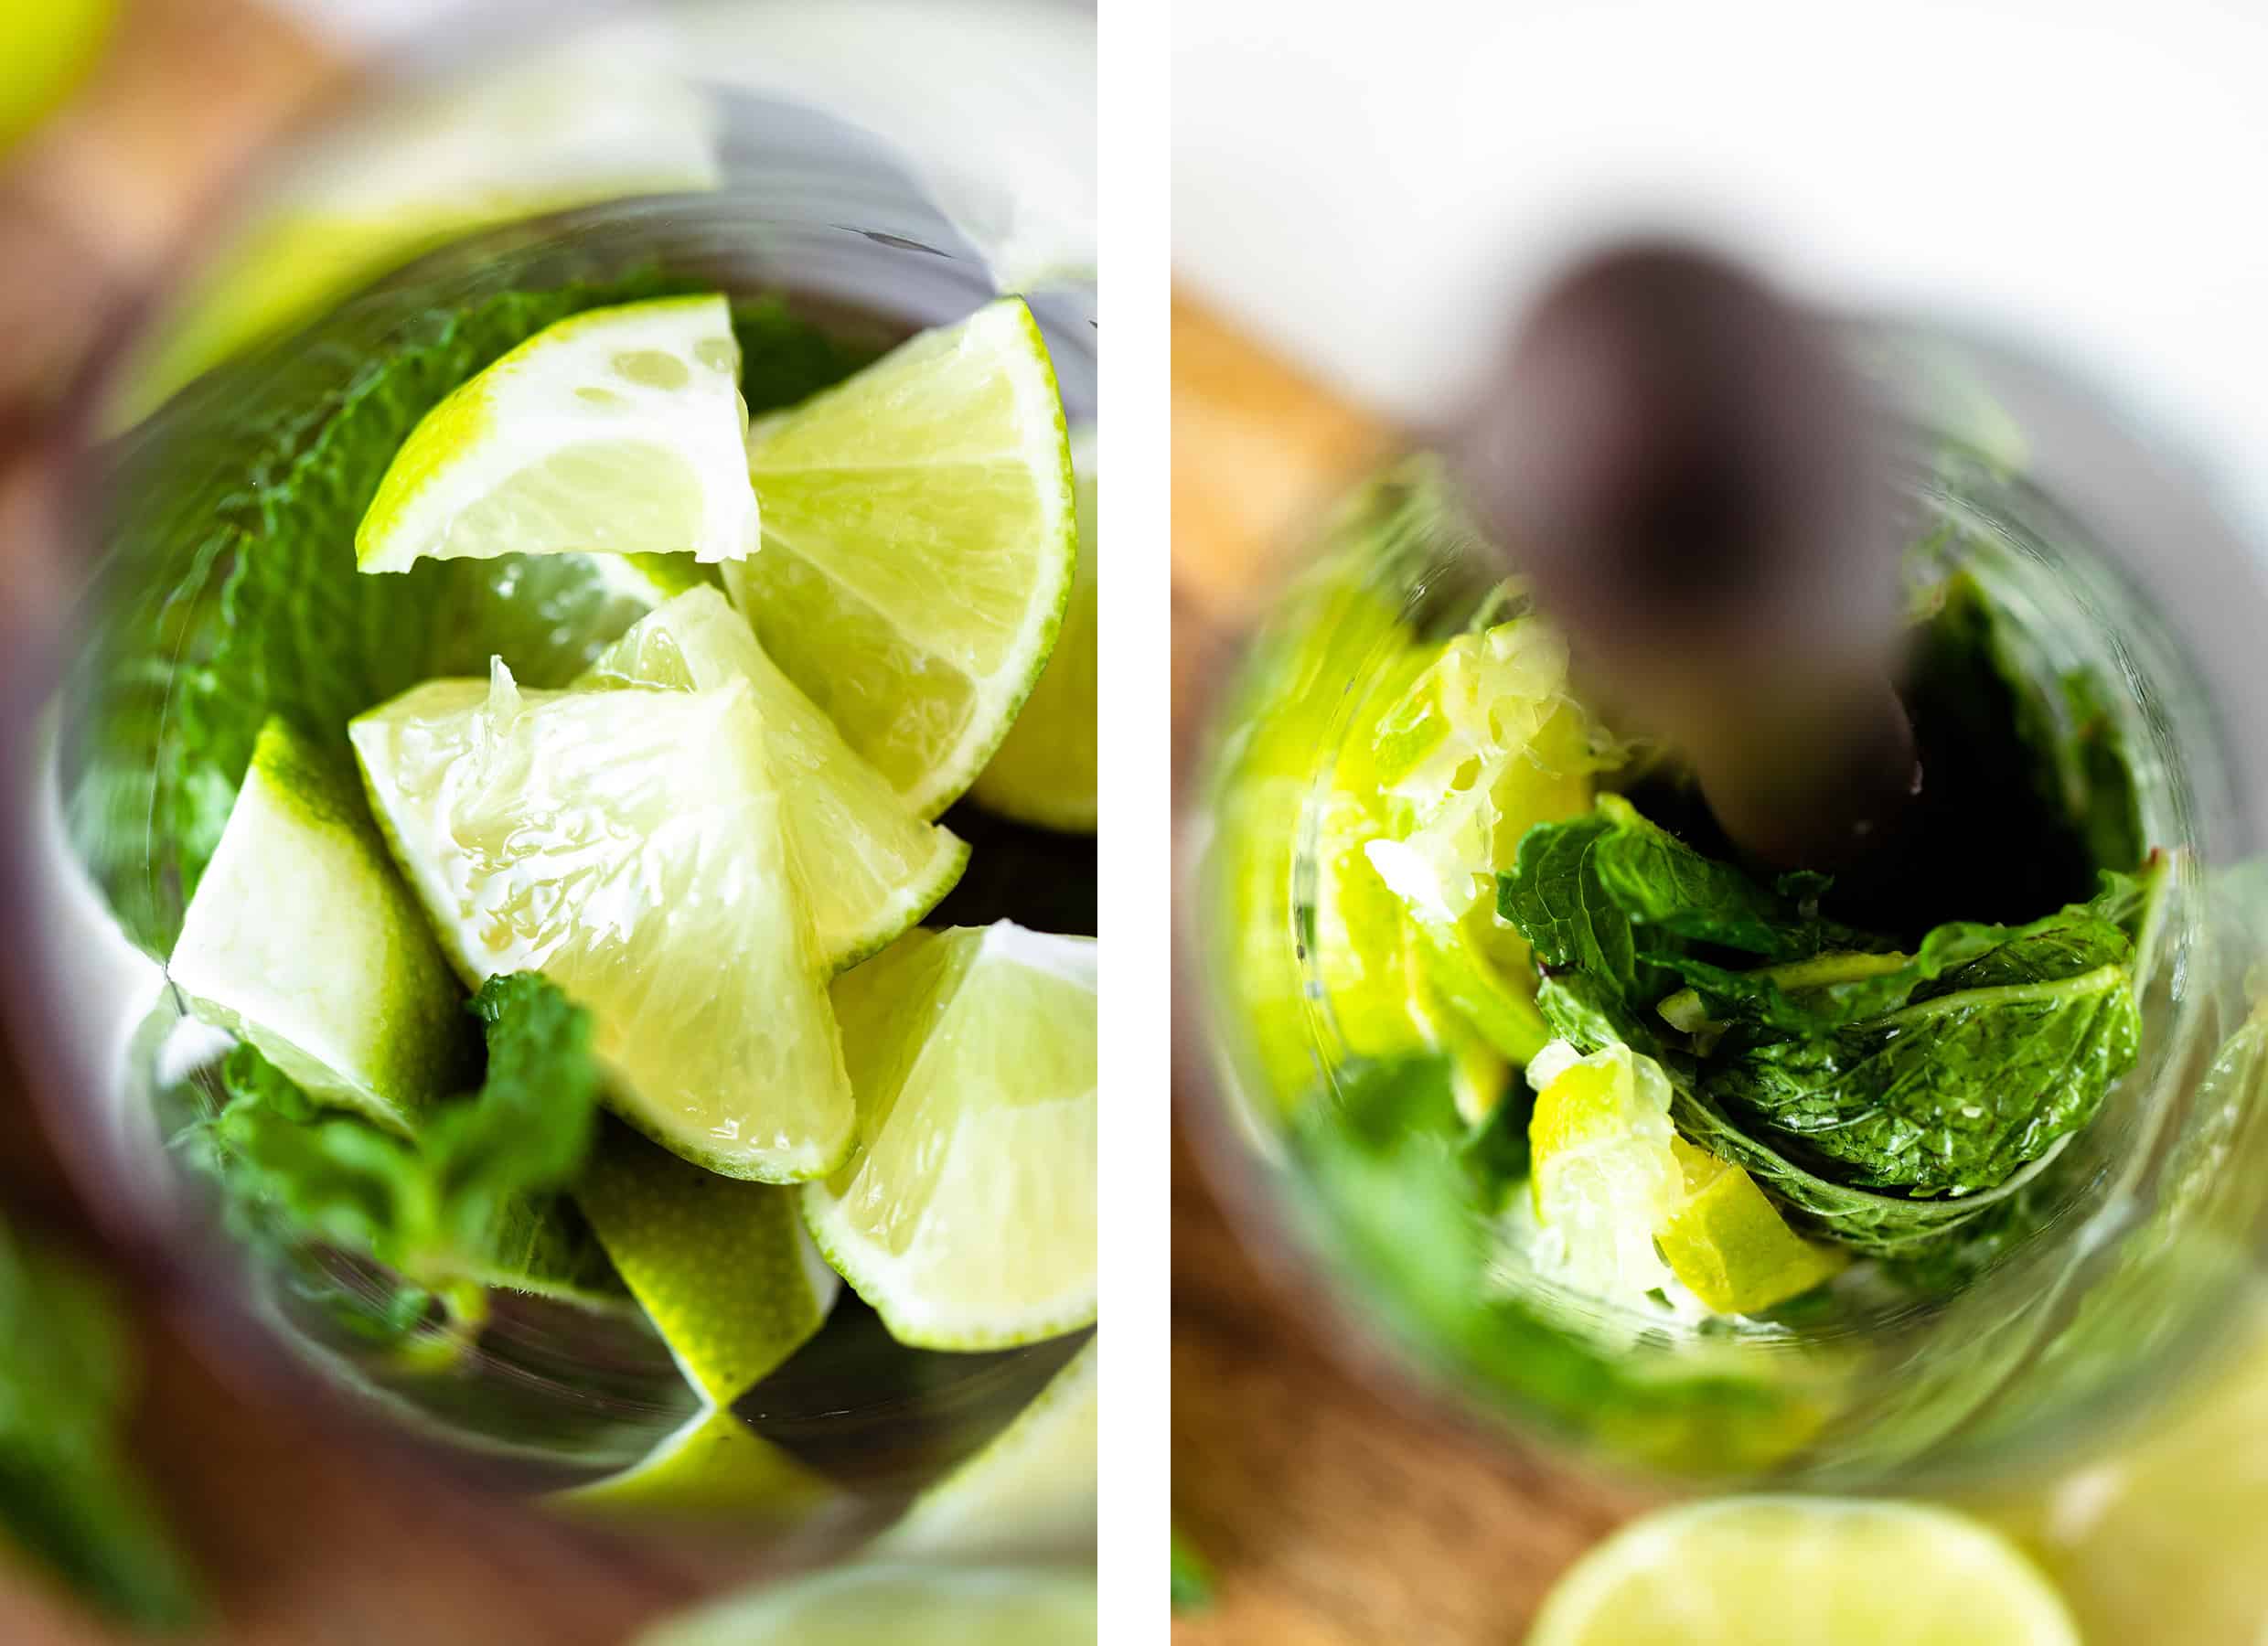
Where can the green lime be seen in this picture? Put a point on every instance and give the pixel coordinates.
(967, 1216)
(1786, 1571)
(46, 51)
(1730, 1247)
(1034, 1485)
(1605, 1177)
(722, 1267)
(873, 867)
(631, 846)
(302, 939)
(919, 545)
(618, 430)
(714, 1467)
(1484, 745)
(907, 1605)
(1044, 772)
(47, 47)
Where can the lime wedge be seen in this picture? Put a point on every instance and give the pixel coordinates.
(629, 845)
(919, 545)
(1605, 1175)
(873, 868)
(1730, 1247)
(1485, 743)
(907, 1605)
(1034, 1485)
(46, 50)
(302, 939)
(1044, 773)
(967, 1216)
(1804, 1572)
(722, 1269)
(618, 430)
(714, 1467)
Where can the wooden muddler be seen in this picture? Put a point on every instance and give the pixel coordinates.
(1678, 461)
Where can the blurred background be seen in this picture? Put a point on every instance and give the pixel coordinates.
(1361, 206)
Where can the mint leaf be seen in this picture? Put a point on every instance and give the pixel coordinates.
(473, 1199)
(1899, 1103)
(1657, 880)
(69, 1496)
(1838, 989)
(1955, 1091)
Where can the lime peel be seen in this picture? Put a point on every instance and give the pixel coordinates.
(618, 431)
(302, 939)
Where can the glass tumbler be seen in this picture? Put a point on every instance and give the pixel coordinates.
(2109, 552)
(847, 176)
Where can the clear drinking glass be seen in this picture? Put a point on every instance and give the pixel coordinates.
(774, 151)
(2110, 554)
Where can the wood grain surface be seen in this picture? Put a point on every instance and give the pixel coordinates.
(1335, 1511)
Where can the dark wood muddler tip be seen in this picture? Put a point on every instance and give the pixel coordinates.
(1678, 461)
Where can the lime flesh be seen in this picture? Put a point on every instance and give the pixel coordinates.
(1044, 774)
(919, 545)
(629, 845)
(1032, 1486)
(907, 1605)
(1804, 1572)
(871, 866)
(618, 430)
(966, 1217)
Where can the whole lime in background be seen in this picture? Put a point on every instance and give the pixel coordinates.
(45, 50)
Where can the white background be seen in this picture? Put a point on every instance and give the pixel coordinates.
(1372, 185)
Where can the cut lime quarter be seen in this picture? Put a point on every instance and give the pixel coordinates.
(629, 846)
(722, 1269)
(873, 867)
(919, 545)
(618, 430)
(907, 1605)
(1032, 1486)
(967, 1216)
(303, 939)
(1784, 1571)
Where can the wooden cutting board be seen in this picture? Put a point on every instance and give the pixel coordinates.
(1334, 1511)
